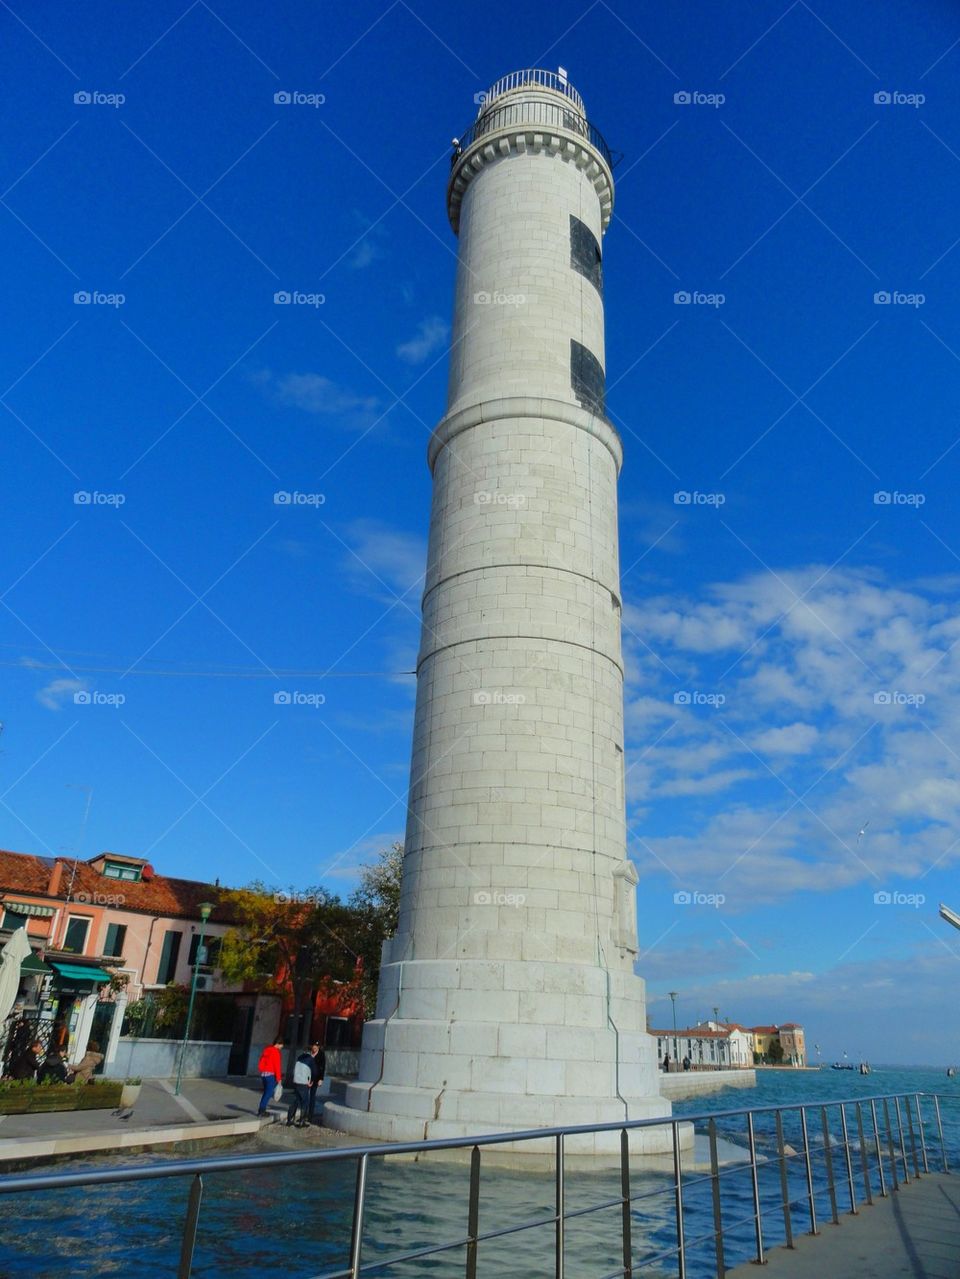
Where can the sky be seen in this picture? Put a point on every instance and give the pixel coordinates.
(790, 547)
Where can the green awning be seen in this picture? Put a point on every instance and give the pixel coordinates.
(32, 964)
(28, 908)
(73, 972)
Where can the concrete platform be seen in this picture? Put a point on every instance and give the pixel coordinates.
(699, 1083)
(913, 1233)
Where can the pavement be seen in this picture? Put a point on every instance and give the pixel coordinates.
(912, 1234)
(206, 1110)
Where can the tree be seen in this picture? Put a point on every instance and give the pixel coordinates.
(775, 1052)
(377, 906)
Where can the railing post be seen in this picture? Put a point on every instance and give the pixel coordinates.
(678, 1203)
(809, 1167)
(893, 1161)
(879, 1145)
(913, 1139)
(356, 1234)
(846, 1148)
(943, 1148)
(757, 1221)
(784, 1183)
(560, 1202)
(903, 1146)
(473, 1214)
(828, 1163)
(185, 1269)
(923, 1138)
(864, 1163)
(715, 1188)
(626, 1224)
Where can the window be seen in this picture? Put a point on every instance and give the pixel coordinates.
(587, 378)
(13, 920)
(585, 255)
(76, 938)
(211, 945)
(116, 936)
(169, 956)
(120, 870)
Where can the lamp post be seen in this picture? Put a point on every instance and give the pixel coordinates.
(673, 1001)
(949, 915)
(205, 909)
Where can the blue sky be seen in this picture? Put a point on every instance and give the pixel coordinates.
(797, 599)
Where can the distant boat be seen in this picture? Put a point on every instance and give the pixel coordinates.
(864, 1068)
(951, 1071)
(842, 1065)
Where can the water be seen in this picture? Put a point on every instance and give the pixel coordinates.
(298, 1219)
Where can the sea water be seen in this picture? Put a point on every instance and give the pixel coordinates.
(296, 1220)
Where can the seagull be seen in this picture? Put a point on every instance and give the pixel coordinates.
(863, 830)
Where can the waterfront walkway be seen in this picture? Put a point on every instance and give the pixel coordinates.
(914, 1232)
(207, 1110)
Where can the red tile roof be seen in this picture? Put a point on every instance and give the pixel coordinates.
(764, 1030)
(696, 1032)
(29, 875)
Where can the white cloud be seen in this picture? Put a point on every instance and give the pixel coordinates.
(791, 739)
(384, 555)
(431, 335)
(59, 691)
(317, 394)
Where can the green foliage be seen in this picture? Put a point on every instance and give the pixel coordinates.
(775, 1052)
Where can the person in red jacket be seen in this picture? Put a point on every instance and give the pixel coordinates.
(271, 1072)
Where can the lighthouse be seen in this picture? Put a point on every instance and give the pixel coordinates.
(508, 998)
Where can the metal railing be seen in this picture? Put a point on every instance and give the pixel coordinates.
(888, 1149)
(532, 77)
(537, 115)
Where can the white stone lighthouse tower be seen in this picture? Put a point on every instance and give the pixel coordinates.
(508, 999)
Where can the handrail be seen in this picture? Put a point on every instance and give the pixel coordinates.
(534, 115)
(531, 77)
(874, 1148)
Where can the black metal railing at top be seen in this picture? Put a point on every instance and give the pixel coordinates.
(535, 115)
(887, 1149)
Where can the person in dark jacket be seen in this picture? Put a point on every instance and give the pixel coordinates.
(55, 1069)
(319, 1061)
(25, 1065)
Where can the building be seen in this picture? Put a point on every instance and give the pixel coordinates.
(108, 934)
(763, 1038)
(707, 1049)
(508, 998)
(792, 1043)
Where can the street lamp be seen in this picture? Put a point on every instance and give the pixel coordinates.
(673, 1000)
(205, 910)
(949, 915)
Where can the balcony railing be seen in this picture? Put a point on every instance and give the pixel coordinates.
(538, 115)
(870, 1147)
(532, 77)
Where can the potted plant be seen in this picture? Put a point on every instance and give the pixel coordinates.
(130, 1091)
